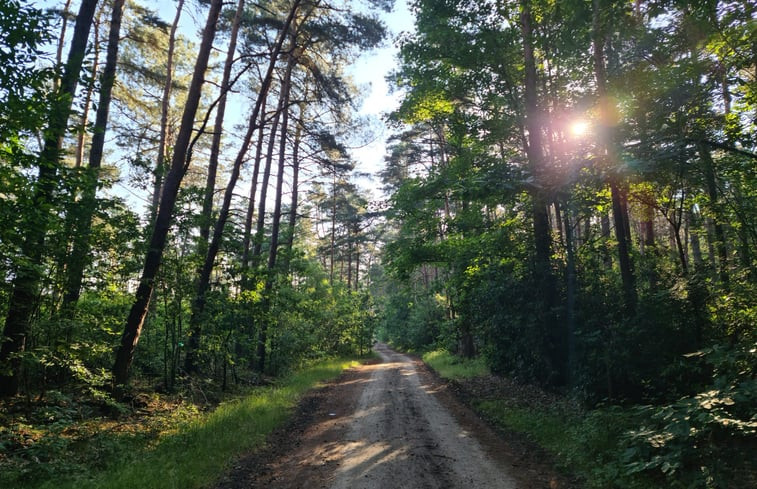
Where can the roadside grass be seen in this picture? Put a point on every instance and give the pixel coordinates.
(450, 366)
(195, 452)
(586, 444)
(583, 443)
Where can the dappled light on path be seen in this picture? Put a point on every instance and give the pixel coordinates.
(400, 434)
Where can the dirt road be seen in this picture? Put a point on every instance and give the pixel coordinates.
(382, 426)
(400, 432)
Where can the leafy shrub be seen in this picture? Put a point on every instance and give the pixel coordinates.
(706, 440)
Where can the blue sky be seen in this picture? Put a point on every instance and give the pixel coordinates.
(371, 70)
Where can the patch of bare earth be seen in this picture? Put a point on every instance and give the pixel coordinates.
(386, 425)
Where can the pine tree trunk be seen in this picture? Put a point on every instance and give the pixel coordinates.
(28, 276)
(160, 164)
(295, 185)
(262, 204)
(276, 218)
(333, 228)
(136, 318)
(215, 146)
(81, 137)
(247, 238)
(61, 40)
(203, 279)
(80, 252)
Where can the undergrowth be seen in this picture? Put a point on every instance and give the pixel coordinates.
(586, 444)
(583, 443)
(450, 366)
(182, 447)
(704, 441)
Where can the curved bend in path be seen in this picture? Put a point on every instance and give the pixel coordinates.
(380, 426)
(401, 436)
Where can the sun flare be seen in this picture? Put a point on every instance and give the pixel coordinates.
(579, 128)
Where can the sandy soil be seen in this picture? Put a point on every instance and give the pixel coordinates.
(390, 424)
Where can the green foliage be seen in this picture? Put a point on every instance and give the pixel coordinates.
(450, 366)
(700, 441)
(24, 31)
(183, 447)
(584, 444)
(411, 323)
(704, 440)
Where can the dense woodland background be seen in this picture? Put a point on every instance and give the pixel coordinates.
(571, 195)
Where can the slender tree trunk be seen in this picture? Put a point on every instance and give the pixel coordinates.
(80, 253)
(262, 204)
(333, 228)
(160, 164)
(215, 146)
(80, 138)
(676, 232)
(136, 318)
(542, 235)
(604, 226)
(276, 219)
(559, 222)
(295, 184)
(619, 207)
(708, 165)
(61, 40)
(247, 239)
(357, 264)
(696, 247)
(28, 276)
(570, 293)
(203, 279)
(349, 258)
(624, 259)
(649, 238)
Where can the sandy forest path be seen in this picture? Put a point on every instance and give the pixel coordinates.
(389, 424)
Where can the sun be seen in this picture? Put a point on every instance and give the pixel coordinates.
(579, 128)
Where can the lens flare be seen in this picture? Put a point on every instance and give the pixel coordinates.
(579, 128)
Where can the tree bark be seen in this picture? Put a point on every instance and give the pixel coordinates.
(80, 251)
(203, 279)
(619, 208)
(708, 166)
(542, 235)
(247, 239)
(136, 318)
(165, 103)
(28, 276)
(295, 184)
(276, 218)
(80, 138)
(215, 146)
(262, 204)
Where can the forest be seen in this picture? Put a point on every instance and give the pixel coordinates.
(568, 198)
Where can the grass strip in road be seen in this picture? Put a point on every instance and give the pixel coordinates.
(199, 451)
